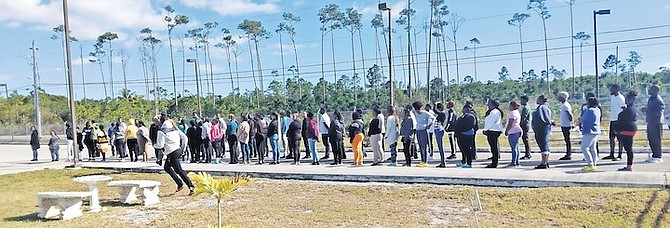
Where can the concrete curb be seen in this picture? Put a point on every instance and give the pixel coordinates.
(439, 180)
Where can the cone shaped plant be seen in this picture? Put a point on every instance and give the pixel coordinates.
(204, 183)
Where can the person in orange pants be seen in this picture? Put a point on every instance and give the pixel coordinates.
(356, 145)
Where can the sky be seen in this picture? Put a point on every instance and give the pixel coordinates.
(640, 26)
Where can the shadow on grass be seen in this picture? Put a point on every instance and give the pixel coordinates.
(647, 207)
(32, 217)
(661, 215)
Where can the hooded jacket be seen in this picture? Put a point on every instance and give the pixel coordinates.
(170, 139)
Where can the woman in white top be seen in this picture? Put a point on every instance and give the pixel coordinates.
(493, 129)
(391, 137)
(513, 131)
(243, 138)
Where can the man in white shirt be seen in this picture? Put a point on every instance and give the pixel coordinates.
(324, 125)
(566, 123)
(617, 104)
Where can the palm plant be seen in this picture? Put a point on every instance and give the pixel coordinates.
(218, 189)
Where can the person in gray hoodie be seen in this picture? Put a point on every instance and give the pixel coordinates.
(173, 142)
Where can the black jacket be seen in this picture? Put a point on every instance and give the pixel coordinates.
(34, 140)
(466, 122)
(153, 132)
(295, 130)
(450, 121)
(272, 128)
(194, 135)
(69, 135)
(626, 120)
(336, 129)
(374, 127)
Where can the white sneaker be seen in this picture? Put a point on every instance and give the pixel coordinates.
(657, 160)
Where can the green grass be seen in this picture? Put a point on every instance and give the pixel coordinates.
(283, 203)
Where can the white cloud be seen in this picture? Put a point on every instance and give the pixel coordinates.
(371, 10)
(88, 19)
(233, 7)
(667, 7)
(288, 48)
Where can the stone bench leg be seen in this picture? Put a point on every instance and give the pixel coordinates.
(71, 207)
(48, 208)
(127, 194)
(150, 196)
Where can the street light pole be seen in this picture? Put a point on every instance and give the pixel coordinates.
(197, 82)
(595, 46)
(70, 80)
(36, 92)
(384, 7)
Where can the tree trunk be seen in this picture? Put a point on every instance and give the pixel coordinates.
(260, 72)
(111, 75)
(102, 75)
(283, 70)
(446, 64)
(353, 62)
(211, 72)
(458, 71)
(323, 71)
(332, 49)
(253, 72)
(360, 42)
(174, 76)
(230, 72)
(430, 50)
(546, 55)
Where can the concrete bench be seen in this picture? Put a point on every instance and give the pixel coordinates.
(128, 188)
(60, 205)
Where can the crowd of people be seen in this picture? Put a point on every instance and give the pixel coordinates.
(283, 136)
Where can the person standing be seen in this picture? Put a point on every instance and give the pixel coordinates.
(261, 138)
(513, 132)
(194, 135)
(285, 122)
(173, 141)
(336, 136)
(120, 139)
(324, 125)
(525, 126)
(391, 136)
(53, 146)
(431, 131)
(626, 129)
(251, 120)
(493, 129)
(206, 141)
(153, 136)
(591, 127)
(541, 122)
(357, 134)
(449, 127)
(142, 140)
(424, 122)
(131, 141)
(80, 143)
(102, 142)
(408, 131)
(111, 134)
(303, 129)
(273, 135)
(216, 134)
(466, 127)
(375, 134)
(69, 137)
(617, 104)
(566, 123)
(654, 114)
(231, 136)
(243, 138)
(312, 134)
(89, 140)
(438, 128)
(294, 134)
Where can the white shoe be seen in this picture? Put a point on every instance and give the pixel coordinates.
(657, 160)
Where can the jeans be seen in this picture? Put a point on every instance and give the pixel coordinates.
(566, 138)
(492, 138)
(120, 145)
(245, 152)
(439, 134)
(34, 154)
(195, 152)
(252, 145)
(394, 152)
(206, 149)
(54, 154)
(513, 140)
(274, 143)
(217, 148)
(542, 138)
(524, 139)
(173, 167)
(466, 143)
(654, 135)
(589, 148)
(326, 143)
(377, 150)
(312, 149)
(232, 148)
(422, 136)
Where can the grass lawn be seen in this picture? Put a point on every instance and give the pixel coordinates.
(275, 203)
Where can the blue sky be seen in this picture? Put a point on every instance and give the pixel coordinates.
(633, 25)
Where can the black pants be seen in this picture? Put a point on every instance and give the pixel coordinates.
(232, 148)
(261, 146)
(326, 142)
(430, 144)
(466, 143)
(159, 154)
(294, 148)
(338, 149)
(173, 168)
(566, 139)
(206, 150)
(133, 149)
(627, 143)
(407, 150)
(613, 137)
(217, 145)
(308, 153)
(195, 151)
(451, 143)
(90, 146)
(524, 139)
(655, 135)
(492, 138)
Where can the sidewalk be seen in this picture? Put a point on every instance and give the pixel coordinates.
(15, 159)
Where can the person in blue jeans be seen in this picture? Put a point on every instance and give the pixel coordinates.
(424, 120)
(273, 133)
(513, 131)
(440, 123)
(312, 135)
(541, 123)
(53, 146)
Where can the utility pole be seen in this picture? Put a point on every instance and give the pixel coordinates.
(70, 80)
(36, 92)
(83, 78)
(409, 46)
